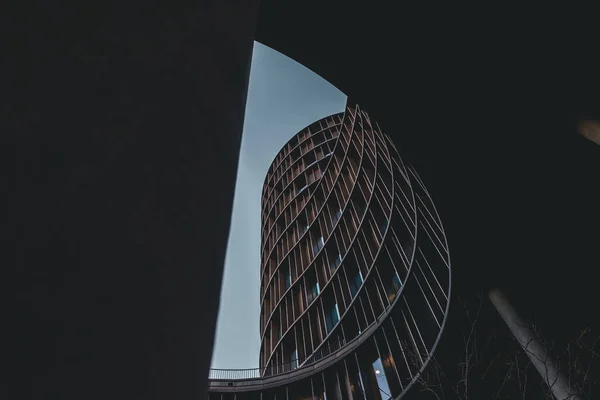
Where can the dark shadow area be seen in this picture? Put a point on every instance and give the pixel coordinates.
(121, 127)
(485, 104)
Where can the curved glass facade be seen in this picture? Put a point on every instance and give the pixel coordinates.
(355, 270)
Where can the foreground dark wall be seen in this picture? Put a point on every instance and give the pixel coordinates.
(484, 102)
(123, 121)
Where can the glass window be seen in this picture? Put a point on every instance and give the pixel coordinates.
(336, 261)
(319, 245)
(363, 209)
(294, 359)
(383, 227)
(396, 285)
(278, 330)
(287, 277)
(332, 317)
(382, 383)
(313, 292)
(356, 283)
(336, 217)
(309, 209)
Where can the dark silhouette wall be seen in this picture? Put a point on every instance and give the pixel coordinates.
(124, 122)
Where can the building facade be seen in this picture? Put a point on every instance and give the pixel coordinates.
(355, 270)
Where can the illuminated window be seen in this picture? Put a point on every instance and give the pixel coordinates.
(396, 285)
(382, 382)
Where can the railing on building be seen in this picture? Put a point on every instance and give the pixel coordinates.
(250, 373)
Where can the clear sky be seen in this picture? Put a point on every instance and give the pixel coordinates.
(283, 98)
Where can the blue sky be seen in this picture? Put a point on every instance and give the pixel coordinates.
(283, 98)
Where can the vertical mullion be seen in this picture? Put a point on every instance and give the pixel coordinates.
(406, 362)
(434, 275)
(395, 368)
(303, 340)
(387, 301)
(416, 327)
(425, 297)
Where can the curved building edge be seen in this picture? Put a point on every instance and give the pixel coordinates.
(395, 315)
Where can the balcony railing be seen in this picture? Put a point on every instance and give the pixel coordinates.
(250, 373)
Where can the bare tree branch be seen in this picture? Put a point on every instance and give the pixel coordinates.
(486, 369)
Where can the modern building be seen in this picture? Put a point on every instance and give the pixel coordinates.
(355, 272)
